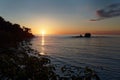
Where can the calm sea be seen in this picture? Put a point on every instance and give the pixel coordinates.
(101, 53)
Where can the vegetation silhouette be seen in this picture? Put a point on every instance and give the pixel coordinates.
(12, 33)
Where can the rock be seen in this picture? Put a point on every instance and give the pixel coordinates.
(81, 35)
(88, 35)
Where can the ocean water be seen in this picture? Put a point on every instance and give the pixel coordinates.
(101, 53)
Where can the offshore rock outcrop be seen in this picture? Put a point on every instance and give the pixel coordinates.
(86, 35)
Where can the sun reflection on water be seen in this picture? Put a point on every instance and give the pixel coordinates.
(43, 40)
(42, 44)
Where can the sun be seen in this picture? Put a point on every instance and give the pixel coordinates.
(43, 32)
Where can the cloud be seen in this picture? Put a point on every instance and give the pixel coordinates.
(110, 11)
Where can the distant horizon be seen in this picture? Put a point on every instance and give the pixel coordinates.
(77, 34)
(93, 33)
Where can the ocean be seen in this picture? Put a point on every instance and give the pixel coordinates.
(100, 52)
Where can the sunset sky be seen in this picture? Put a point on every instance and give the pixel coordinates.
(61, 16)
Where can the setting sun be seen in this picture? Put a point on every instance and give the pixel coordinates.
(42, 32)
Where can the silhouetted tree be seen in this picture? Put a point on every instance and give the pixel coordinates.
(25, 29)
(13, 32)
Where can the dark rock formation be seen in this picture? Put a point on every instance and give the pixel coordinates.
(77, 36)
(81, 35)
(88, 35)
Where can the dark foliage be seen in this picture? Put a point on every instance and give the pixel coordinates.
(12, 33)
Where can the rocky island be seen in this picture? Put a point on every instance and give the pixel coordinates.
(86, 35)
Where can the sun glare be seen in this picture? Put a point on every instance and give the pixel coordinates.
(43, 32)
(42, 42)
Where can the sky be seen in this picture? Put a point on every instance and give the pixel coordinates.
(64, 16)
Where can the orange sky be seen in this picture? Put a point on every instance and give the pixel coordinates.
(52, 25)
